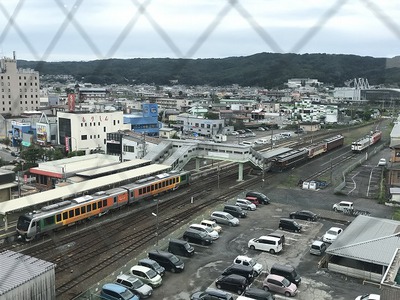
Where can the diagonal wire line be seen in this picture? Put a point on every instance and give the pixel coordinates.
(159, 29)
(385, 19)
(314, 29)
(210, 28)
(259, 30)
(69, 16)
(128, 27)
(79, 28)
(12, 23)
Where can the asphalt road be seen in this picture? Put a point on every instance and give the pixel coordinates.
(209, 261)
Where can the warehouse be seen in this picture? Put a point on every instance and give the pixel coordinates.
(365, 249)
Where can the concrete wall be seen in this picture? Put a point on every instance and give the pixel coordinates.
(356, 273)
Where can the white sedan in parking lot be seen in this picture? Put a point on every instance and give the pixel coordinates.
(331, 235)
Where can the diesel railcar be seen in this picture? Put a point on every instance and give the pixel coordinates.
(58, 215)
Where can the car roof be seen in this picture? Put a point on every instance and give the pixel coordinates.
(269, 237)
(276, 277)
(220, 212)
(114, 287)
(335, 228)
(235, 276)
(140, 268)
(147, 260)
(243, 257)
(217, 292)
(127, 277)
(318, 243)
(346, 202)
(197, 225)
(208, 222)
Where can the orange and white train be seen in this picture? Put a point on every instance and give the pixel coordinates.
(58, 215)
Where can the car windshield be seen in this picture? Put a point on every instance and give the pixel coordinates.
(332, 232)
(229, 216)
(285, 282)
(174, 259)
(187, 246)
(137, 284)
(127, 294)
(208, 229)
(252, 262)
(151, 273)
(23, 223)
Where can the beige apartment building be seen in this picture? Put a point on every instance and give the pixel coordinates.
(19, 88)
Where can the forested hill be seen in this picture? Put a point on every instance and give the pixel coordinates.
(267, 70)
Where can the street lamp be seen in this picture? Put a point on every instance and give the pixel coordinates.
(156, 215)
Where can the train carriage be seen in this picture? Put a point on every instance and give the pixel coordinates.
(289, 160)
(376, 137)
(68, 212)
(334, 142)
(315, 150)
(360, 145)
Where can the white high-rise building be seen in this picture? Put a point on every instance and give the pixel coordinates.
(19, 88)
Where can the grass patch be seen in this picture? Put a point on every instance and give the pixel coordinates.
(396, 215)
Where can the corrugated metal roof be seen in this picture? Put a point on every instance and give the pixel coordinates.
(368, 239)
(120, 166)
(17, 268)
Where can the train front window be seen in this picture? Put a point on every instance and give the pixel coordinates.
(23, 222)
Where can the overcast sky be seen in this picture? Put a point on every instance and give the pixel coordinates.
(82, 30)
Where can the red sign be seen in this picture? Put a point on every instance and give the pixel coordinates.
(71, 102)
(67, 144)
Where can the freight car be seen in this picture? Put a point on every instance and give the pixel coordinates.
(58, 215)
(334, 142)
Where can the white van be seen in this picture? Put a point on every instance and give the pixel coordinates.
(286, 134)
(246, 143)
(266, 243)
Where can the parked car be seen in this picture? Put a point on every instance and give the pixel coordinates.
(180, 247)
(289, 224)
(224, 218)
(262, 199)
(369, 297)
(135, 285)
(235, 211)
(343, 205)
(242, 270)
(303, 215)
(113, 291)
(331, 235)
(231, 282)
(245, 204)
(266, 243)
(287, 271)
(382, 162)
(248, 261)
(212, 224)
(317, 248)
(211, 294)
(152, 264)
(207, 230)
(146, 275)
(279, 235)
(198, 237)
(234, 133)
(279, 284)
(258, 294)
(168, 260)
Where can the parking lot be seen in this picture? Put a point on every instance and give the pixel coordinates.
(207, 264)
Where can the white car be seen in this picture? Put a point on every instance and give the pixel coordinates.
(382, 162)
(343, 205)
(369, 297)
(212, 224)
(147, 275)
(213, 234)
(331, 235)
(234, 133)
(266, 243)
(245, 204)
(248, 261)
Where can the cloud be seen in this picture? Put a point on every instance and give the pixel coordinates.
(207, 28)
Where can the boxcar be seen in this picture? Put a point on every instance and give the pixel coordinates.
(289, 160)
(334, 142)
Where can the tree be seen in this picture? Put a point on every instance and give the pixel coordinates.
(32, 154)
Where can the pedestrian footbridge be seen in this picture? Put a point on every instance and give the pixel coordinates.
(177, 154)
